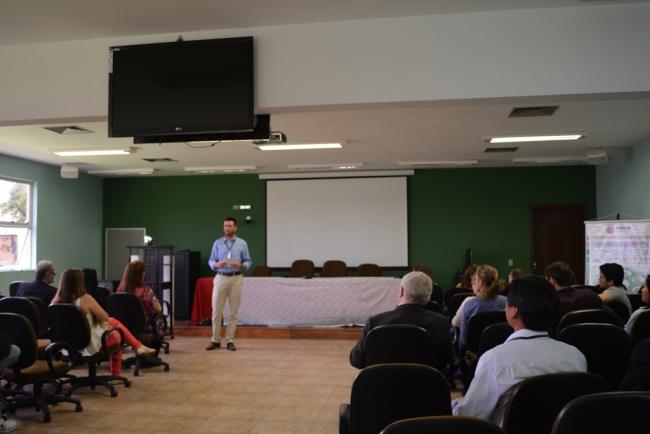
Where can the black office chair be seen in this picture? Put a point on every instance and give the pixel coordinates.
(433, 307)
(31, 371)
(382, 394)
(605, 413)
(13, 287)
(41, 309)
(441, 425)
(479, 322)
(640, 328)
(436, 293)
(400, 343)
(127, 309)
(619, 309)
(531, 406)
(26, 307)
(493, 335)
(446, 297)
(635, 301)
(605, 346)
(588, 316)
(455, 301)
(69, 324)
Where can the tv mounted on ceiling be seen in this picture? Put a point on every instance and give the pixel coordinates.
(184, 87)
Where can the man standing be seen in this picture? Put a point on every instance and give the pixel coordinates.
(560, 275)
(529, 351)
(229, 258)
(41, 286)
(414, 293)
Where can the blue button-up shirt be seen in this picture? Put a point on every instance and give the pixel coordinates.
(235, 249)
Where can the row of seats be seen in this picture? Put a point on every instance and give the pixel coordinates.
(333, 268)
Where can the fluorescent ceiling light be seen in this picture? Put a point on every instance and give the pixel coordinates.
(92, 152)
(140, 171)
(439, 163)
(549, 160)
(342, 166)
(295, 147)
(345, 174)
(212, 169)
(548, 138)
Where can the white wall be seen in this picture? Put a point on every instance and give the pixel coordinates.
(581, 50)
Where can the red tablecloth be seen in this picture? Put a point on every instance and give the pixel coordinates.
(202, 306)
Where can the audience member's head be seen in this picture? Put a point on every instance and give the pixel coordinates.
(133, 277)
(533, 304)
(466, 282)
(45, 271)
(423, 268)
(515, 273)
(71, 286)
(416, 288)
(560, 275)
(611, 274)
(485, 282)
(645, 291)
(90, 279)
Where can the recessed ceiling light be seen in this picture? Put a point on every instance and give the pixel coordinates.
(92, 152)
(138, 171)
(547, 138)
(212, 169)
(303, 146)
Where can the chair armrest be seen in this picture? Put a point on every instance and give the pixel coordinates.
(59, 351)
(116, 348)
(344, 418)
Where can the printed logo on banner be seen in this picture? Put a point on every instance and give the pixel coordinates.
(609, 229)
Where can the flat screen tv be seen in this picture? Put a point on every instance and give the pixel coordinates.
(184, 87)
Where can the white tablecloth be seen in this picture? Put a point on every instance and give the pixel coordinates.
(282, 301)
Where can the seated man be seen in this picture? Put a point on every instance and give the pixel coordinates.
(529, 351)
(560, 275)
(41, 286)
(637, 376)
(414, 293)
(611, 280)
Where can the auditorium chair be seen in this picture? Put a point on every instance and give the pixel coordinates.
(69, 324)
(261, 271)
(26, 307)
(369, 270)
(493, 335)
(433, 307)
(605, 346)
(605, 413)
(382, 394)
(302, 268)
(531, 406)
(635, 301)
(30, 371)
(400, 343)
(13, 287)
(442, 424)
(641, 328)
(475, 327)
(455, 301)
(619, 309)
(334, 268)
(436, 293)
(588, 316)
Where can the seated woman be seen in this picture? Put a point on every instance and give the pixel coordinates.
(466, 281)
(486, 287)
(71, 290)
(133, 283)
(645, 297)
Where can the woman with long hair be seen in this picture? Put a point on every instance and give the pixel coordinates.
(71, 290)
(133, 283)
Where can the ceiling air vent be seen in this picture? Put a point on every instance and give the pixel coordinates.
(160, 160)
(69, 129)
(505, 149)
(529, 112)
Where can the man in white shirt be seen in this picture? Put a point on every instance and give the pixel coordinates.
(532, 308)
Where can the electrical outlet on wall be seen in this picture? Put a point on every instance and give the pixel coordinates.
(511, 262)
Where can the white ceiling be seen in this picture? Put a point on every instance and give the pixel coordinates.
(379, 136)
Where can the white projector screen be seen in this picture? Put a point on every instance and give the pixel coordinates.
(355, 220)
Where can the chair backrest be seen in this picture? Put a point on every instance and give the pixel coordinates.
(531, 406)
(641, 328)
(620, 309)
(455, 301)
(22, 306)
(334, 268)
(41, 309)
(399, 343)
(478, 323)
(493, 335)
(13, 287)
(446, 298)
(127, 309)
(635, 301)
(436, 293)
(369, 270)
(68, 324)
(21, 333)
(302, 268)
(261, 271)
(442, 424)
(383, 394)
(605, 413)
(605, 346)
(588, 316)
(433, 307)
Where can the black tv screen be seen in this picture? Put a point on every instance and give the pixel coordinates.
(181, 88)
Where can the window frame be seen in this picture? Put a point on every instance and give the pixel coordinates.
(30, 225)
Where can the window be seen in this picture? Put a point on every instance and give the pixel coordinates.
(16, 224)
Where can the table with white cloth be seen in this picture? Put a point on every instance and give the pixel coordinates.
(318, 302)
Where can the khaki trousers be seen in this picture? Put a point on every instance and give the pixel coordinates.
(225, 287)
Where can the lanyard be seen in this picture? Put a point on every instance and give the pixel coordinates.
(528, 337)
(229, 247)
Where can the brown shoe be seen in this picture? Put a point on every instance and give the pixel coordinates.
(145, 351)
(231, 346)
(213, 346)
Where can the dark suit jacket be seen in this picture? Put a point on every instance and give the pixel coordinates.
(414, 314)
(637, 376)
(37, 288)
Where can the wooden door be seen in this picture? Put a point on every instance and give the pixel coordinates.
(557, 233)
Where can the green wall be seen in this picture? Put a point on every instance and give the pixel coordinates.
(68, 217)
(623, 183)
(449, 210)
